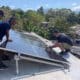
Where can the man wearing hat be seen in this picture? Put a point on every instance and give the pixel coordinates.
(4, 31)
(5, 28)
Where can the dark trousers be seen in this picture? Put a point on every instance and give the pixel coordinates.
(1, 58)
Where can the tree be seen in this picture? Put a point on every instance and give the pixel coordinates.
(30, 20)
(34, 18)
(61, 24)
(41, 10)
(53, 13)
(72, 18)
(78, 16)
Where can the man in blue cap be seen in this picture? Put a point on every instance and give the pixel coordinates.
(5, 28)
(4, 31)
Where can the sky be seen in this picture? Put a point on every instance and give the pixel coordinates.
(35, 4)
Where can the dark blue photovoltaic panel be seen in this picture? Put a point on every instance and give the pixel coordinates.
(28, 45)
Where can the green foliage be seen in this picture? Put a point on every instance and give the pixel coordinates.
(34, 18)
(30, 20)
(72, 18)
(61, 24)
(61, 19)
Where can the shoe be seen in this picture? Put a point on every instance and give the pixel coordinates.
(3, 66)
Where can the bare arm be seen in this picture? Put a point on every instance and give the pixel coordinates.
(57, 44)
(7, 36)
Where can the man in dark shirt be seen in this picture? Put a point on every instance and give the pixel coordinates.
(63, 41)
(5, 28)
(4, 31)
(2, 66)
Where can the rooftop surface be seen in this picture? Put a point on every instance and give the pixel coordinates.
(31, 70)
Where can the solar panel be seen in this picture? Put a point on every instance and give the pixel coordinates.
(30, 47)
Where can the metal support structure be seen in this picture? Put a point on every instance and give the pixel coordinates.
(16, 57)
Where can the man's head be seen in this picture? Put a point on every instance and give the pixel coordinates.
(1, 14)
(55, 33)
(12, 21)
